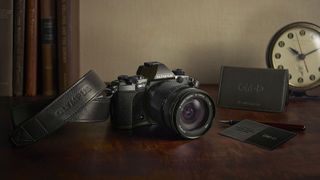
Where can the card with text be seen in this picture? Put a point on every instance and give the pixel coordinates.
(258, 134)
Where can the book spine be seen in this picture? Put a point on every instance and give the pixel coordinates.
(68, 42)
(31, 48)
(48, 46)
(74, 63)
(6, 37)
(18, 46)
(62, 22)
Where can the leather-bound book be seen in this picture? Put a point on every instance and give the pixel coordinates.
(18, 46)
(6, 31)
(31, 48)
(48, 47)
(68, 42)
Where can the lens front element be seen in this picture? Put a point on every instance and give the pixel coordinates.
(194, 114)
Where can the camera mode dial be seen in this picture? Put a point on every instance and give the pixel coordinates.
(178, 72)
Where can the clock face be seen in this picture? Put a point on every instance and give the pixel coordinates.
(296, 47)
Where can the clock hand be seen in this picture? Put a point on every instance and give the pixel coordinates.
(312, 51)
(305, 64)
(294, 51)
(305, 55)
(300, 69)
(298, 43)
(301, 55)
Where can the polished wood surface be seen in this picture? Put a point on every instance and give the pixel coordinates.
(84, 150)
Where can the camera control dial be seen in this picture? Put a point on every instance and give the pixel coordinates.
(178, 72)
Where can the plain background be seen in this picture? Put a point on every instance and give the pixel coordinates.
(198, 36)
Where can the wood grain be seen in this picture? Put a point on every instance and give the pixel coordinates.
(81, 150)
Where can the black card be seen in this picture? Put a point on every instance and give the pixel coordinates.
(253, 89)
(258, 134)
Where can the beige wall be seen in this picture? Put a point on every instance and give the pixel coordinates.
(196, 35)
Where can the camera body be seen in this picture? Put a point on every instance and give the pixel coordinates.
(156, 95)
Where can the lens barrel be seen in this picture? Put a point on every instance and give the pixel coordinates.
(186, 110)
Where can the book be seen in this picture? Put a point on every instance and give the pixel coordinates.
(18, 46)
(68, 42)
(74, 65)
(48, 47)
(6, 37)
(31, 48)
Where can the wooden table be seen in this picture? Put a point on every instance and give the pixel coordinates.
(84, 150)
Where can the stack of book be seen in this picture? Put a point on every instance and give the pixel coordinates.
(39, 46)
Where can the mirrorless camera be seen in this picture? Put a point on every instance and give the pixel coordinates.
(157, 95)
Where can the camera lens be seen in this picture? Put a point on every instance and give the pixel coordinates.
(186, 110)
(193, 114)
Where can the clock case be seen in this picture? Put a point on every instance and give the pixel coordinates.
(293, 91)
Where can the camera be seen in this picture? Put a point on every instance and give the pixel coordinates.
(157, 95)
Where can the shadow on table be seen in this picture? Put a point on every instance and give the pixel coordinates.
(5, 125)
(153, 132)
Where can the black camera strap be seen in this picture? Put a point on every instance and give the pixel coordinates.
(85, 101)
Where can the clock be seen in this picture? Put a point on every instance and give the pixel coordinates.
(296, 47)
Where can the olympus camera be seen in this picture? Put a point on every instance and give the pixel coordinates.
(157, 95)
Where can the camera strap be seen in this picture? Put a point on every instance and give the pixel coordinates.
(85, 101)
